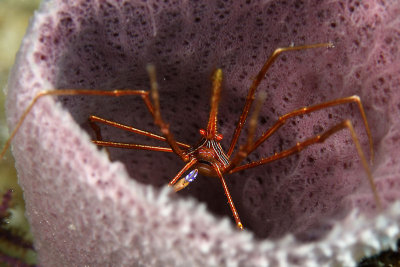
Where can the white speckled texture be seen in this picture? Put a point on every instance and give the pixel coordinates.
(86, 210)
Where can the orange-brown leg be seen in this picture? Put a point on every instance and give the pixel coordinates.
(244, 150)
(93, 119)
(96, 129)
(70, 92)
(99, 139)
(164, 127)
(256, 82)
(319, 139)
(228, 196)
(305, 110)
(131, 146)
(211, 131)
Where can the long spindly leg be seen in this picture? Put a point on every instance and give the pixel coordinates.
(256, 82)
(245, 149)
(93, 119)
(131, 146)
(228, 196)
(319, 139)
(164, 127)
(99, 137)
(243, 153)
(306, 110)
(214, 103)
(69, 92)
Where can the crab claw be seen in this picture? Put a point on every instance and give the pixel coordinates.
(182, 183)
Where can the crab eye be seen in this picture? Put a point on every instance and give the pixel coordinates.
(202, 132)
(191, 176)
(219, 137)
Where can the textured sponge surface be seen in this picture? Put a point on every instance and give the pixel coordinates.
(91, 207)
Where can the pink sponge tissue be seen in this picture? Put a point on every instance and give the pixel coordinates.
(91, 206)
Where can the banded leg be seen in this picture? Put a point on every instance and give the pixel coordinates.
(228, 196)
(256, 82)
(164, 127)
(319, 139)
(70, 92)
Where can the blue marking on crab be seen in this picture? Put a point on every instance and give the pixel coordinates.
(191, 176)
